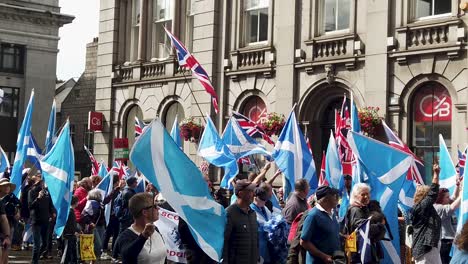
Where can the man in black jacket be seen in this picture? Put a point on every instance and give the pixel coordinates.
(42, 211)
(125, 217)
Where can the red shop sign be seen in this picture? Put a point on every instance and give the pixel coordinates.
(121, 149)
(432, 103)
(95, 120)
(255, 108)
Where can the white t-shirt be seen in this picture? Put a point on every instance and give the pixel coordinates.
(158, 249)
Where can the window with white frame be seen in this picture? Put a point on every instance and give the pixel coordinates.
(336, 15)
(430, 8)
(136, 7)
(162, 17)
(189, 23)
(256, 21)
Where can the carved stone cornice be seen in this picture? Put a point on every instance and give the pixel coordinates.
(33, 16)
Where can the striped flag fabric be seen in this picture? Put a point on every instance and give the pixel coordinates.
(139, 126)
(187, 60)
(94, 163)
(251, 128)
(343, 125)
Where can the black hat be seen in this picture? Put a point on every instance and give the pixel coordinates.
(241, 185)
(323, 191)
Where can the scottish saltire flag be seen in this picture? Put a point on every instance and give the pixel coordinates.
(364, 242)
(239, 142)
(102, 170)
(416, 171)
(4, 163)
(333, 170)
(187, 60)
(293, 158)
(461, 160)
(94, 163)
(141, 186)
(34, 152)
(22, 144)
(167, 167)
(175, 133)
(323, 176)
(251, 128)
(213, 149)
(51, 128)
(406, 196)
(58, 170)
(139, 126)
(448, 174)
(105, 187)
(385, 177)
(463, 213)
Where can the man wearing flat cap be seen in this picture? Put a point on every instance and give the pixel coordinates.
(241, 234)
(321, 245)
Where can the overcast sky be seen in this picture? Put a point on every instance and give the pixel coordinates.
(75, 36)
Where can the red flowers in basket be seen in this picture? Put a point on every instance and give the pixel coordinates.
(273, 123)
(191, 130)
(369, 119)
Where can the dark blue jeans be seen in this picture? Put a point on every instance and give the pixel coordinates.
(70, 251)
(40, 237)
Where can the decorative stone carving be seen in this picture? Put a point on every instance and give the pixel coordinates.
(330, 71)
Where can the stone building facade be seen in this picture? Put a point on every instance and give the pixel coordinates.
(76, 106)
(28, 59)
(406, 57)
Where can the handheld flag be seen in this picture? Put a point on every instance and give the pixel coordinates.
(251, 128)
(102, 170)
(187, 60)
(175, 133)
(333, 168)
(343, 125)
(386, 177)
(58, 170)
(120, 169)
(293, 158)
(141, 186)
(4, 163)
(364, 242)
(167, 167)
(213, 150)
(462, 161)
(22, 145)
(51, 129)
(34, 152)
(463, 216)
(105, 187)
(94, 163)
(448, 174)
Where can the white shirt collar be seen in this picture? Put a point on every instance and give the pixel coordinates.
(319, 207)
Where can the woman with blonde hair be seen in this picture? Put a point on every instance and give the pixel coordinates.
(426, 222)
(460, 256)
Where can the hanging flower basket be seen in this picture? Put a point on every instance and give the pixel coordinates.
(369, 119)
(273, 123)
(190, 129)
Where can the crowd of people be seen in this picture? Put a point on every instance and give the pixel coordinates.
(261, 227)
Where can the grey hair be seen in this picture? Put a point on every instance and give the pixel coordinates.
(95, 195)
(357, 189)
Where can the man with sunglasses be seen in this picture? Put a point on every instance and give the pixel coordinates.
(140, 243)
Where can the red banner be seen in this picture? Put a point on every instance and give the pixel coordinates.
(432, 103)
(95, 121)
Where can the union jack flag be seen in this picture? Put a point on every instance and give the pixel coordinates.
(187, 60)
(245, 160)
(252, 128)
(94, 163)
(342, 126)
(461, 161)
(120, 169)
(308, 144)
(139, 126)
(323, 178)
(416, 171)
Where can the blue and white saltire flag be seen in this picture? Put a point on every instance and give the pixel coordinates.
(463, 216)
(4, 163)
(141, 186)
(105, 187)
(175, 133)
(333, 170)
(385, 177)
(103, 170)
(448, 174)
(22, 144)
(51, 129)
(364, 242)
(58, 170)
(406, 197)
(180, 181)
(213, 149)
(34, 152)
(293, 158)
(239, 142)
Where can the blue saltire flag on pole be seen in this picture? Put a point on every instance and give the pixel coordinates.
(22, 144)
(175, 133)
(239, 142)
(58, 170)
(4, 163)
(385, 177)
(406, 196)
(448, 174)
(141, 186)
(102, 170)
(364, 242)
(293, 158)
(34, 153)
(180, 181)
(333, 170)
(50, 128)
(105, 187)
(213, 149)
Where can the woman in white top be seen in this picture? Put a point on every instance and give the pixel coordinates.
(141, 243)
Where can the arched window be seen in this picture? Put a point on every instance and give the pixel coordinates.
(431, 115)
(254, 108)
(175, 109)
(135, 111)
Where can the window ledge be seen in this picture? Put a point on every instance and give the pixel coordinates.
(161, 70)
(431, 23)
